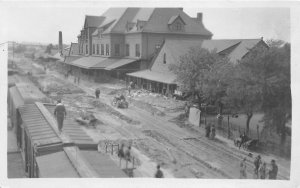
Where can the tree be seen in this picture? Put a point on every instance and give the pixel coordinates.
(261, 82)
(277, 102)
(201, 71)
(20, 48)
(49, 48)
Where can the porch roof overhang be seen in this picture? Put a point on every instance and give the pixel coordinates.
(93, 62)
(167, 78)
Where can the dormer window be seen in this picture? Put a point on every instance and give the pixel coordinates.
(140, 24)
(176, 23)
(129, 26)
(178, 26)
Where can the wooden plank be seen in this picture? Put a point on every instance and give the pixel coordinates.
(84, 169)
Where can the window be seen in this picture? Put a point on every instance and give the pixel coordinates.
(157, 47)
(178, 26)
(102, 49)
(117, 49)
(137, 50)
(97, 49)
(86, 49)
(107, 50)
(127, 50)
(165, 58)
(93, 48)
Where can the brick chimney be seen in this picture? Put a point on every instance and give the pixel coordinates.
(60, 45)
(199, 17)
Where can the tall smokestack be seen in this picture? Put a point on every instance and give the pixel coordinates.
(60, 45)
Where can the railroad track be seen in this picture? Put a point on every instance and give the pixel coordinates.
(208, 144)
(218, 150)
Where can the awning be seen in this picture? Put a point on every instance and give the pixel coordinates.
(92, 62)
(56, 165)
(167, 78)
(119, 63)
(69, 59)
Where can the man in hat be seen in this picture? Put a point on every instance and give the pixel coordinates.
(159, 173)
(273, 171)
(60, 113)
(97, 93)
(257, 163)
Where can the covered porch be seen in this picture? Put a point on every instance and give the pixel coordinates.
(153, 81)
(100, 69)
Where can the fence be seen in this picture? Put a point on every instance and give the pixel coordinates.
(230, 130)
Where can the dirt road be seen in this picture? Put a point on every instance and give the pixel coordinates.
(183, 153)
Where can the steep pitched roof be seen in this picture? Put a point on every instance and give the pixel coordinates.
(174, 48)
(112, 15)
(74, 49)
(173, 18)
(243, 48)
(158, 22)
(93, 21)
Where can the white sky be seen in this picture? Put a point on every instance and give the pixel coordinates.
(41, 21)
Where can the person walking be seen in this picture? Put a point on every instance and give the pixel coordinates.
(129, 89)
(60, 113)
(262, 170)
(186, 110)
(97, 93)
(273, 171)
(159, 173)
(207, 130)
(243, 174)
(257, 162)
(213, 132)
(243, 139)
(121, 153)
(127, 155)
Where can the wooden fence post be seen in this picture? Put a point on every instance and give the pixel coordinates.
(257, 132)
(228, 127)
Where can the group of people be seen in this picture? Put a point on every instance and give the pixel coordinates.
(261, 171)
(210, 131)
(125, 154)
(243, 138)
(77, 80)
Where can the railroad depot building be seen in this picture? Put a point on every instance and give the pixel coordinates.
(139, 44)
(125, 40)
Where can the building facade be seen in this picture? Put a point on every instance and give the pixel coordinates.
(134, 34)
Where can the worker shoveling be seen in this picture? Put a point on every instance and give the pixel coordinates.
(87, 119)
(120, 102)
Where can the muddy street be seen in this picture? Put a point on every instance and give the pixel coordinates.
(156, 139)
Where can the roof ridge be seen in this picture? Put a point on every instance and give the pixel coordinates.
(118, 19)
(154, 9)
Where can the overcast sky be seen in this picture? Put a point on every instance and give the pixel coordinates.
(40, 22)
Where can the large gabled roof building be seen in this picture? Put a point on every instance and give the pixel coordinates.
(159, 78)
(142, 42)
(129, 38)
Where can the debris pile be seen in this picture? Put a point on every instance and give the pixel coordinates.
(52, 85)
